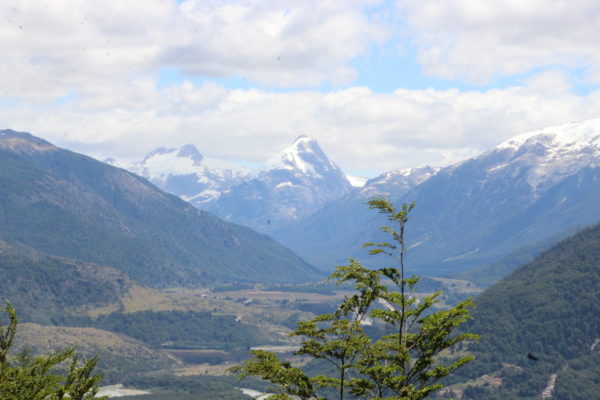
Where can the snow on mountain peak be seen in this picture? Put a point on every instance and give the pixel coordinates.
(304, 138)
(548, 155)
(157, 152)
(304, 155)
(163, 162)
(573, 134)
(185, 172)
(297, 182)
(190, 151)
(357, 181)
(402, 179)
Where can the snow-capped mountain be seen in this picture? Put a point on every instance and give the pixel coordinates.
(529, 188)
(186, 173)
(393, 183)
(294, 184)
(297, 182)
(332, 234)
(551, 154)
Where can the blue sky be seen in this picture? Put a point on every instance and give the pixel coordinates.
(380, 84)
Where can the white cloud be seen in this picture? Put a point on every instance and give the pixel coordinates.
(281, 43)
(475, 40)
(84, 75)
(551, 82)
(51, 49)
(360, 129)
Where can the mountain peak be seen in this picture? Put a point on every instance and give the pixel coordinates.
(400, 180)
(547, 156)
(23, 142)
(190, 151)
(295, 183)
(572, 134)
(157, 152)
(303, 142)
(304, 138)
(304, 155)
(185, 172)
(187, 151)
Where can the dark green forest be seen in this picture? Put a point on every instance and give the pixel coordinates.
(43, 287)
(178, 329)
(540, 320)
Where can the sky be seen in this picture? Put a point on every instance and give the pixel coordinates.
(381, 85)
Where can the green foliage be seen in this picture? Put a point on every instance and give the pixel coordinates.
(178, 329)
(549, 308)
(36, 378)
(405, 363)
(42, 287)
(289, 381)
(580, 379)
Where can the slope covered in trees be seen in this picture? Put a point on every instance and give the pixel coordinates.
(179, 329)
(543, 319)
(45, 288)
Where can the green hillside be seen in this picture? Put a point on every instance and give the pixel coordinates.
(119, 356)
(180, 329)
(45, 288)
(67, 204)
(541, 320)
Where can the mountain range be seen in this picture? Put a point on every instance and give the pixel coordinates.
(531, 188)
(289, 186)
(187, 173)
(522, 192)
(79, 235)
(65, 204)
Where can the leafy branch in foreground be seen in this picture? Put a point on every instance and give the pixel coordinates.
(35, 378)
(404, 364)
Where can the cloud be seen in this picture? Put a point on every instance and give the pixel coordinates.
(474, 40)
(51, 49)
(278, 43)
(84, 75)
(360, 129)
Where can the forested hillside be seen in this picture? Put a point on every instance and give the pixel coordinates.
(46, 288)
(541, 320)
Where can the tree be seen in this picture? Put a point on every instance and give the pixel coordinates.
(24, 377)
(406, 363)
